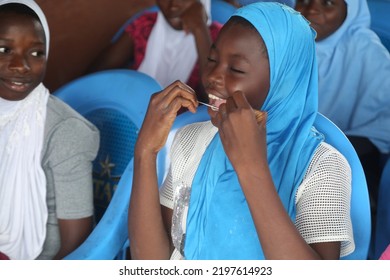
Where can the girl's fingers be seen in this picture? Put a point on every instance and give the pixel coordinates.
(184, 92)
(240, 100)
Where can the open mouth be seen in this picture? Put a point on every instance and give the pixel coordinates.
(216, 101)
(16, 85)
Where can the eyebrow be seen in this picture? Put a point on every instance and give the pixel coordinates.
(11, 40)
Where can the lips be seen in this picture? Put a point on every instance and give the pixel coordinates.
(16, 85)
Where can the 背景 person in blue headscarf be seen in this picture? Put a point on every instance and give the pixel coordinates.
(237, 187)
(354, 83)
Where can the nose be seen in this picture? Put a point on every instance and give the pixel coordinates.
(19, 64)
(214, 75)
(175, 5)
(313, 6)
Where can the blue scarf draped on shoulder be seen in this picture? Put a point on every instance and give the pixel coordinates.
(219, 223)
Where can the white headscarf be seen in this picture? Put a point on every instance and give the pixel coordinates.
(23, 209)
(170, 54)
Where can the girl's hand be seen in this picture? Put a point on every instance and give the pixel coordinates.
(161, 114)
(243, 138)
(194, 17)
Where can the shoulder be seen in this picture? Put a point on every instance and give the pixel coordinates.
(188, 135)
(61, 114)
(66, 127)
(329, 158)
(189, 143)
(328, 171)
(367, 44)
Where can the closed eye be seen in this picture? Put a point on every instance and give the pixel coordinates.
(329, 3)
(237, 70)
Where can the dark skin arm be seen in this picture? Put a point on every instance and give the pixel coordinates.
(247, 150)
(195, 21)
(149, 225)
(73, 233)
(115, 55)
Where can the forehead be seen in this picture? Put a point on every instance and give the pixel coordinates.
(10, 21)
(238, 32)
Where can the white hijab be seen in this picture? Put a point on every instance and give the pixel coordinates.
(23, 209)
(170, 54)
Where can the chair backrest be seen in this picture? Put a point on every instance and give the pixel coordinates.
(115, 101)
(360, 205)
(221, 11)
(380, 23)
(382, 228)
(109, 237)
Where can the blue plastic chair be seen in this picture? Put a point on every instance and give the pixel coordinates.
(382, 230)
(380, 22)
(360, 205)
(221, 11)
(116, 102)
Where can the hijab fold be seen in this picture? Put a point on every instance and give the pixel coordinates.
(219, 223)
(23, 209)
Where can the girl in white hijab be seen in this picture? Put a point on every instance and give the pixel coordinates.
(24, 107)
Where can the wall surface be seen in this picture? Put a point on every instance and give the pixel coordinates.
(79, 30)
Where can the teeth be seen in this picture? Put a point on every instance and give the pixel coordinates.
(17, 83)
(211, 96)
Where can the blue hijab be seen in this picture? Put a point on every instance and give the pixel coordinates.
(290, 3)
(354, 78)
(219, 224)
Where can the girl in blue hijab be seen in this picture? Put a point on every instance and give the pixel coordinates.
(354, 83)
(241, 187)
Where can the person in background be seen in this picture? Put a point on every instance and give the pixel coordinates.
(169, 45)
(47, 149)
(247, 184)
(239, 3)
(354, 84)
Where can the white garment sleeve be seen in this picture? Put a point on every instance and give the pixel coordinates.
(323, 200)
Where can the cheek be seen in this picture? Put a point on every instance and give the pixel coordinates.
(39, 70)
